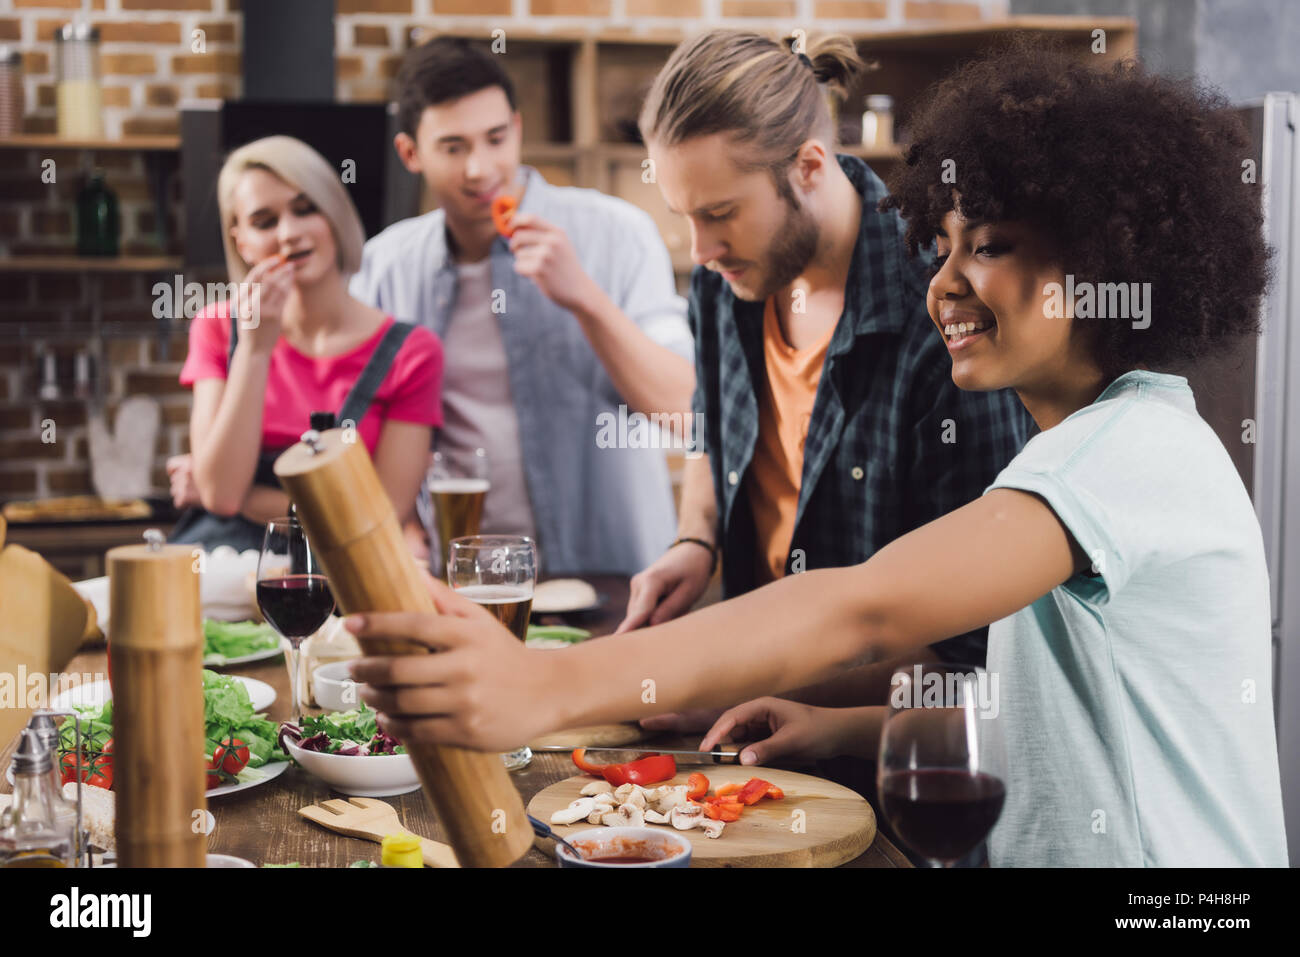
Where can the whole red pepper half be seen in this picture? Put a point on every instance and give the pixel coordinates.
(647, 769)
(643, 771)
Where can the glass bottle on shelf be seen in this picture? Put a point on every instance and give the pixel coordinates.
(878, 122)
(31, 835)
(11, 91)
(98, 224)
(77, 91)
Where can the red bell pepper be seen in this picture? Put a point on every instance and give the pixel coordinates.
(724, 812)
(503, 210)
(648, 770)
(699, 786)
(580, 759)
(755, 790)
(731, 787)
(775, 793)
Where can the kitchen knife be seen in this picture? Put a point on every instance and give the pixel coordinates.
(725, 754)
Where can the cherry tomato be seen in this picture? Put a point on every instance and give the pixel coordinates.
(214, 774)
(96, 770)
(231, 755)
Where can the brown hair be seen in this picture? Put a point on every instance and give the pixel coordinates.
(749, 85)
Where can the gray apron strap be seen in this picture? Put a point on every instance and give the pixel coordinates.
(234, 338)
(372, 376)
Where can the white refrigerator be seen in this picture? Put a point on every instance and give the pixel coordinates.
(1260, 384)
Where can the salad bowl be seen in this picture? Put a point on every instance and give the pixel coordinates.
(337, 749)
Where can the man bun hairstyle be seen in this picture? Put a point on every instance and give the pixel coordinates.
(758, 90)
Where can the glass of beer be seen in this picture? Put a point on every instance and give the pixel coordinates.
(498, 572)
(458, 483)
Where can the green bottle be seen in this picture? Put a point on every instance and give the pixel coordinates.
(98, 224)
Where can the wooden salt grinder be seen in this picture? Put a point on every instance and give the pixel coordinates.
(354, 532)
(155, 640)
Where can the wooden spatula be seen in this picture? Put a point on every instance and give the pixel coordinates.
(373, 820)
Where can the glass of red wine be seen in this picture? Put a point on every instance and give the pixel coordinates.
(293, 594)
(942, 761)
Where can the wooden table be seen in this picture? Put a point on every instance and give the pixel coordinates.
(262, 824)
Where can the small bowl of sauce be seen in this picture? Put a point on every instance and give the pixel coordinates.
(626, 847)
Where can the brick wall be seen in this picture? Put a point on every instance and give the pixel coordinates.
(157, 53)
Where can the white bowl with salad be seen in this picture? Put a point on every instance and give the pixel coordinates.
(348, 751)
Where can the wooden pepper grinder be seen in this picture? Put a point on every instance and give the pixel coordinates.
(354, 532)
(155, 641)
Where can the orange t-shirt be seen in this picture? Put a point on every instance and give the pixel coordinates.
(785, 405)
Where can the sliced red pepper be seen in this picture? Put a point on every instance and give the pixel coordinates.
(755, 790)
(724, 812)
(775, 793)
(643, 771)
(731, 787)
(699, 786)
(503, 210)
(580, 759)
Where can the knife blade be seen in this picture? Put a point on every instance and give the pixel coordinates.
(724, 754)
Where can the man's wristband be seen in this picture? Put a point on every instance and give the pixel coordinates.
(713, 549)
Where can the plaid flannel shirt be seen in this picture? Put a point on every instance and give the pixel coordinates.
(892, 443)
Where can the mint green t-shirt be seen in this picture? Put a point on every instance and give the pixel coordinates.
(1136, 703)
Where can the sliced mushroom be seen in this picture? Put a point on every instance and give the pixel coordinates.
(575, 812)
(605, 799)
(611, 818)
(623, 792)
(597, 787)
(686, 816)
(671, 797)
(654, 817)
(712, 828)
(631, 815)
(595, 816)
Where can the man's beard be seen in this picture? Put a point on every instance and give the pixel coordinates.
(792, 249)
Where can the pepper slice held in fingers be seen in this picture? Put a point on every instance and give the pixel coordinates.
(503, 210)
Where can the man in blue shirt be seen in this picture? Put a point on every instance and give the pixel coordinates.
(546, 334)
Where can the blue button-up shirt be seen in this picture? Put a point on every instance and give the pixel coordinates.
(596, 508)
(892, 443)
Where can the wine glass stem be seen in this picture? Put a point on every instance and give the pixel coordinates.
(291, 659)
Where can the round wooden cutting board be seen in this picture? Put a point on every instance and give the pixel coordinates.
(836, 824)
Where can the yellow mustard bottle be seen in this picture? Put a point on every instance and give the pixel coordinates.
(401, 850)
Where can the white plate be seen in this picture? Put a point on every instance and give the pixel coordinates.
(92, 694)
(556, 597)
(211, 662)
(270, 771)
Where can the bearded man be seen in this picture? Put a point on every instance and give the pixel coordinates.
(831, 422)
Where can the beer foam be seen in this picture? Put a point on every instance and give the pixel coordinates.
(496, 594)
(459, 486)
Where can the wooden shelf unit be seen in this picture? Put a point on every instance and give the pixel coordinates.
(580, 94)
(49, 141)
(96, 264)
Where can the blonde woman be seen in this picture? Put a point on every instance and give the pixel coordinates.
(292, 233)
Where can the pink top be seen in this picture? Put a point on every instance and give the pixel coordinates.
(297, 384)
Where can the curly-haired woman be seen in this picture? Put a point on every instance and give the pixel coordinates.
(1117, 559)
